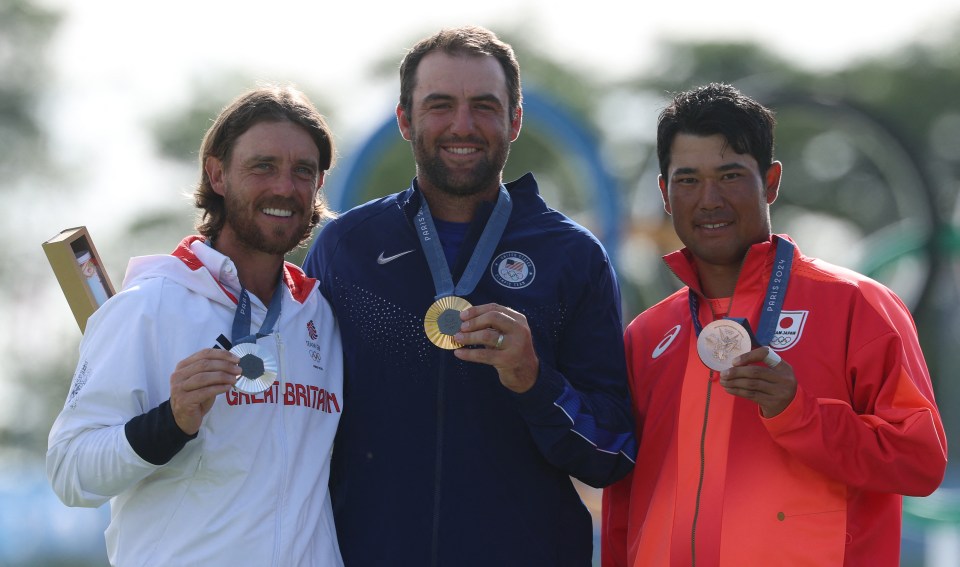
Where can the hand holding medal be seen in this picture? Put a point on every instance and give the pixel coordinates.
(507, 344)
(195, 384)
(723, 340)
(772, 386)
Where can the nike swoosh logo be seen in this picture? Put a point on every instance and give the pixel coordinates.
(383, 260)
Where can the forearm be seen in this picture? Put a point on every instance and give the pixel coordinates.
(92, 465)
(155, 436)
(589, 436)
(900, 450)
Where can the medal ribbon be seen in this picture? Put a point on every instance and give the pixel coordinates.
(241, 319)
(772, 305)
(489, 238)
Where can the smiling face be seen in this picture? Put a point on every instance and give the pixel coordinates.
(269, 184)
(718, 199)
(460, 124)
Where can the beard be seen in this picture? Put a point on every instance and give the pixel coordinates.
(461, 183)
(241, 218)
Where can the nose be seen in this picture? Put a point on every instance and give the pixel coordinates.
(710, 195)
(286, 183)
(462, 121)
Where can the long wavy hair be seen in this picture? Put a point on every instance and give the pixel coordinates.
(270, 103)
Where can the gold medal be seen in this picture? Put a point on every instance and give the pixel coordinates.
(442, 321)
(257, 366)
(720, 342)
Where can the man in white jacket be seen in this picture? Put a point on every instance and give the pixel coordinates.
(209, 390)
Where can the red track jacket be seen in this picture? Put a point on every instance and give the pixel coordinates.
(817, 485)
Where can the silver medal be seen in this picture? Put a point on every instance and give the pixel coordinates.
(257, 366)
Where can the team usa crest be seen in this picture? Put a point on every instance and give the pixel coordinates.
(513, 270)
(789, 328)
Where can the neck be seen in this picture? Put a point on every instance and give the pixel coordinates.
(720, 307)
(456, 208)
(258, 272)
(717, 281)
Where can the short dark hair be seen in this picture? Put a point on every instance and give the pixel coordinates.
(269, 103)
(718, 108)
(468, 40)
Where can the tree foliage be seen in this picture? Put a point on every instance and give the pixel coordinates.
(25, 32)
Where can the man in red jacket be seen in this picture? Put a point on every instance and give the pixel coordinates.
(783, 404)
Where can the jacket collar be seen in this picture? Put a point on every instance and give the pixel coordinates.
(754, 272)
(410, 199)
(189, 251)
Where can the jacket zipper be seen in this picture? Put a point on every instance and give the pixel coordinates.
(703, 466)
(438, 464)
(281, 376)
(703, 435)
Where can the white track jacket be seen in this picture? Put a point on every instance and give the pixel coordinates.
(251, 488)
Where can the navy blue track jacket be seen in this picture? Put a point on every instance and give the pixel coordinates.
(436, 463)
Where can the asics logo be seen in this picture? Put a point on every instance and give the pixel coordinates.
(667, 341)
(381, 259)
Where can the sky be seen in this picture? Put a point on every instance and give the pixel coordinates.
(331, 41)
(150, 54)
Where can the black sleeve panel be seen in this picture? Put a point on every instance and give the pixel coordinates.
(155, 435)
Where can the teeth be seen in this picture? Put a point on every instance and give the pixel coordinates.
(462, 151)
(718, 225)
(278, 212)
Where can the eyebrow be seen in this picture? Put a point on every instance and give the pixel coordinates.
(258, 158)
(731, 166)
(488, 97)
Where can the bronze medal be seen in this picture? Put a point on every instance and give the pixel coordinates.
(442, 321)
(720, 342)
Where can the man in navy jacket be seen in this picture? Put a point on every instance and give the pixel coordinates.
(483, 341)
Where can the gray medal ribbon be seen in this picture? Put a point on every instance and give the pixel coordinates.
(489, 238)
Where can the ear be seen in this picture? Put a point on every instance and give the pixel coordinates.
(403, 121)
(214, 170)
(664, 194)
(772, 181)
(515, 123)
(320, 179)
